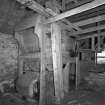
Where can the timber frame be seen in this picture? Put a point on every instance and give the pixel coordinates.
(75, 29)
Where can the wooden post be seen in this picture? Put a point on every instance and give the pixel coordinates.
(77, 69)
(93, 42)
(66, 77)
(20, 48)
(40, 31)
(57, 60)
(77, 72)
(99, 43)
(20, 72)
(63, 5)
(96, 58)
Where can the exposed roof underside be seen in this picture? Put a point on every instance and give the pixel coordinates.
(11, 12)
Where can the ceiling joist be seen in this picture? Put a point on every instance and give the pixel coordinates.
(75, 11)
(64, 20)
(72, 5)
(29, 22)
(34, 6)
(90, 36)
(91, 20)
(88, 30)
(41, 10)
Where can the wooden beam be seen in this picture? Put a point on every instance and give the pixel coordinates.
(20, 71)
(31, 21)
(41, 10)
(63, 4)
(35, 55)
(87, 50)
(99, 42)
(71, 25)
(34, 6)
(75, 11)
(64, 21)
(86, 37)
(65, 27)
(76, 4)
(90, 36)
(57, 60)
(20, 49)
(91, 20)
(89, 14)
(88, 30)
(93, 43)
(96, 58)
(77, 72)
(66, 77)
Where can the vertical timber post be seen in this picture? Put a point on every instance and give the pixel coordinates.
(77, 70)
(99, 43)
(66, 77)
(63, 5)
(20, 60)
(20, 66)
(93, 43)
(40, 30)
(66, 70)
(57, 60)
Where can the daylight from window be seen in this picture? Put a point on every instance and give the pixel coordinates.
(101, 57)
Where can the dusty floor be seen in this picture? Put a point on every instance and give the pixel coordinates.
(82, 96)
(85, 95)
(13, 99)
(78, 97)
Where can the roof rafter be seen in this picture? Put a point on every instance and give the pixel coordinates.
(67, 1)
(91, 20)
(77, 10)
(76, 4)
(41, 10)
(88, 30)
(90, 36)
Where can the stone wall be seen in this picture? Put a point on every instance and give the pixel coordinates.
(8, 57)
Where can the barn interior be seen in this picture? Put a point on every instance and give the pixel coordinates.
(52, 52)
